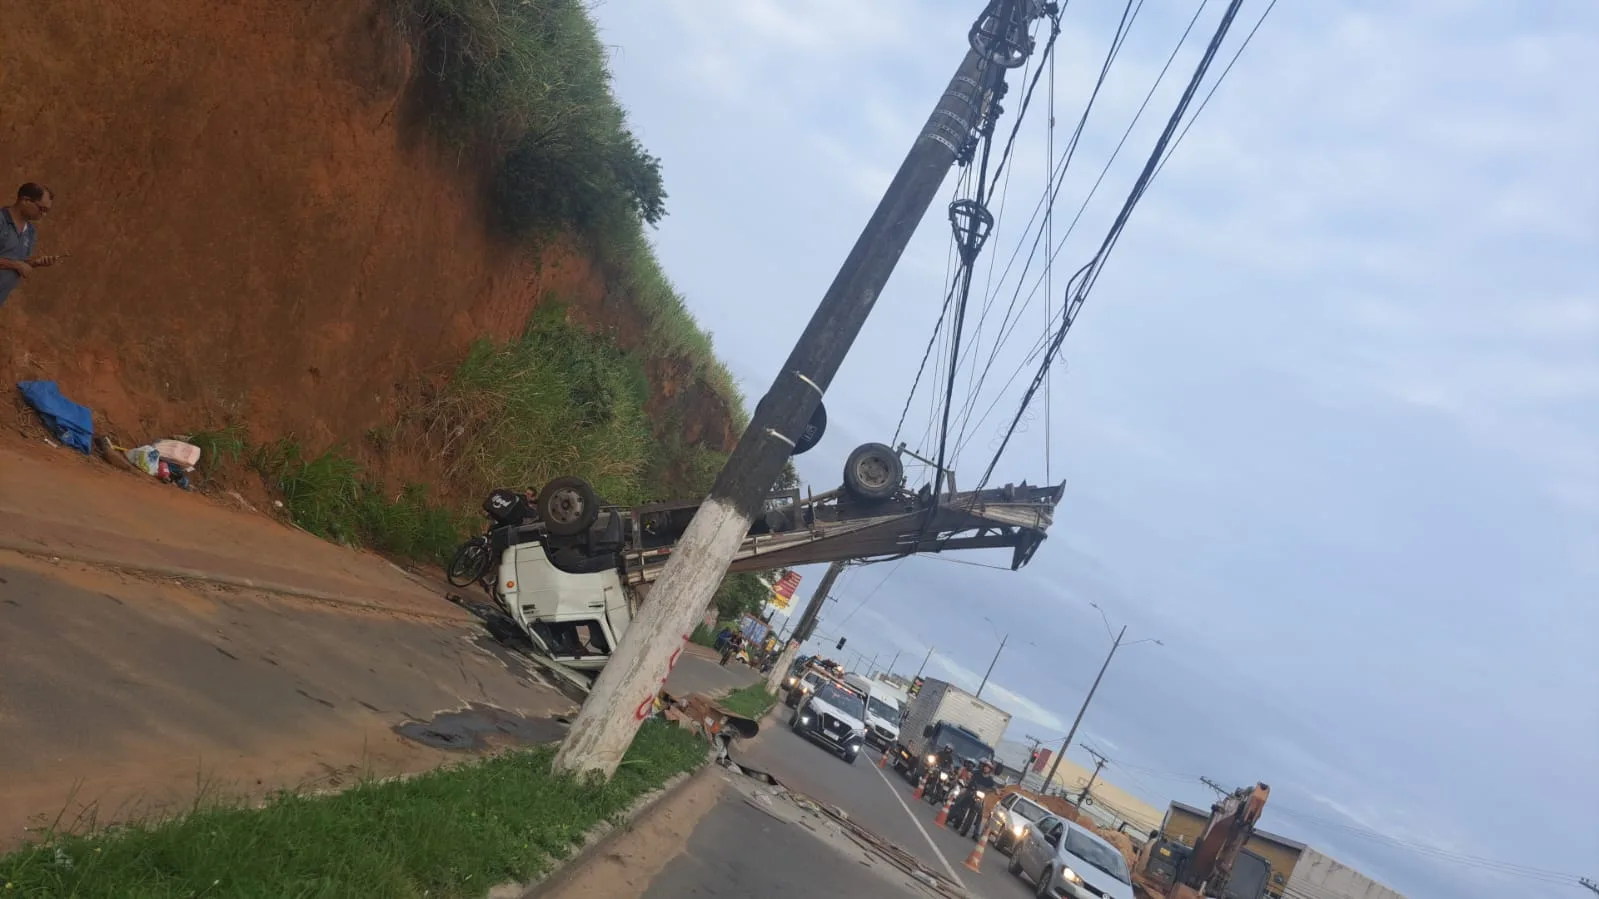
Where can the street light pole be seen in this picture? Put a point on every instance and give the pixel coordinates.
(1066, 744)
(991, 665)
(623, 695)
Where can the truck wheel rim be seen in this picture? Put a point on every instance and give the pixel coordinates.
(872, 471)
(566, 506)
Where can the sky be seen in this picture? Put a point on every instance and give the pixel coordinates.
(1327, 422)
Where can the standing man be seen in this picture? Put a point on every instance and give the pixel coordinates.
(18, 235)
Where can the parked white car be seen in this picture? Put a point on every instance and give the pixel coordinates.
(1065, 860)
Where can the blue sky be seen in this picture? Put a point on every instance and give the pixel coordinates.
(1327, 420)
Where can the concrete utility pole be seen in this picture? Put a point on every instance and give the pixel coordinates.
(925, 659)
(1589, 884)
(804, 626)
(991, 662)
(1099, 762)
(890, 668)
(1067, 743)
(622, 697)
(1220, 790)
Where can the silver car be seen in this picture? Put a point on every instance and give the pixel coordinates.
(1012, 816)
(1065, 860)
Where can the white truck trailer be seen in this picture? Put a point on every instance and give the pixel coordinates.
(942, 714)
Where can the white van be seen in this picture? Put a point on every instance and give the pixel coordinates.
(885, 704)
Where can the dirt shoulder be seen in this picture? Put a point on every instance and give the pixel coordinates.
(54, 502)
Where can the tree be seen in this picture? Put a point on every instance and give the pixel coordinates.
(638, 175)
(740, 593)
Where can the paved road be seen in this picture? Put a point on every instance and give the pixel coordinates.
(877, 799)
(118, 694)
(737, 850)
(696, 673)
(731, 836)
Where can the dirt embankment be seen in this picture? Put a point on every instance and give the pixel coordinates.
(259, 234)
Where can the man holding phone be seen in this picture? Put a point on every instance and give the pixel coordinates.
(18, 234)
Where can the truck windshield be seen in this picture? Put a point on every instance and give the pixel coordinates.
(965, 747)
(884, 710)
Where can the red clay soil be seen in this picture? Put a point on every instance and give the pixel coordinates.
(256, 233)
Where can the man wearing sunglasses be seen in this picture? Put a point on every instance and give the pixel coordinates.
(18, 234)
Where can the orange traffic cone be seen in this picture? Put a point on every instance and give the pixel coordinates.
(882, 760)
(942, 818)
(974, 861)
(922, 787)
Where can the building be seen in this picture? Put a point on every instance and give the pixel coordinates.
(1297, 871)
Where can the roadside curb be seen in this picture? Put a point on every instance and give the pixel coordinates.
(172, 571)
(601, 836)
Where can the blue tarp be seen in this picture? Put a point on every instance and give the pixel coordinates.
(71, 423)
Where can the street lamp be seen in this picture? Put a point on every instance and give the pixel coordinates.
(996, 654)
(1066, 744)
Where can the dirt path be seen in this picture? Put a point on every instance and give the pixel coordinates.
(55, 502)
(122, 696)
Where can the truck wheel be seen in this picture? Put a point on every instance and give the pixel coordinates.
(873, 472)
(569, 506)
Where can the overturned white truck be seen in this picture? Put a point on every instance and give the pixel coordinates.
(573, 580)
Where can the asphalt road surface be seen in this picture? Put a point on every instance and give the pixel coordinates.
(697, 674)
(737, 850)
(877, 799)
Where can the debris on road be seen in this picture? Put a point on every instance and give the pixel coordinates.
(773, 796)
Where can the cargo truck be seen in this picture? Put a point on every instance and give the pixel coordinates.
(942, 714)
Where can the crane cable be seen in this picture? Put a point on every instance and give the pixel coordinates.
(1085, 277)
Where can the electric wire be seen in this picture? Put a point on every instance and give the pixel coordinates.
(1088, 274)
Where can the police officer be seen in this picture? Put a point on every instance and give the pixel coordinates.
(968, 811)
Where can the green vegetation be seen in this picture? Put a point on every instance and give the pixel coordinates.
(330, 496)
(559, 401)
(452, 832)
(740, 593)
(706, 636)
(525, 87)
(752, 701)
(219, 448)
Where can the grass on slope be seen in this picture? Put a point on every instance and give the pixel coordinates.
(451, 832)
(752, 701)
(526, 84)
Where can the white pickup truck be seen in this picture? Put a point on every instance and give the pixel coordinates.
(573, 580)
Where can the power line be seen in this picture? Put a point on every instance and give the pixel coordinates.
(1044, 280)
(1089, 273)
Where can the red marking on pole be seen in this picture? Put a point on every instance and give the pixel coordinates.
(643, 709)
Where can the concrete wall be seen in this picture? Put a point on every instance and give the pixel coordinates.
(1319, 876)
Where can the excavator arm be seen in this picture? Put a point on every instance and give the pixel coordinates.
(1232, 822)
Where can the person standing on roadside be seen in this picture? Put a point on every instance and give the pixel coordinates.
(19, 233)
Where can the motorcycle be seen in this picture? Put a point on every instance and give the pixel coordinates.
(475, 560)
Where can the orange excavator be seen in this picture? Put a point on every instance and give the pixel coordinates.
(1166, 869)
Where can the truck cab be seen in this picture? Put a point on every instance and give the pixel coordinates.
(967, 748)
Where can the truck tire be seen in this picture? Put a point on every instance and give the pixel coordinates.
(569, 506)
(873, 472)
